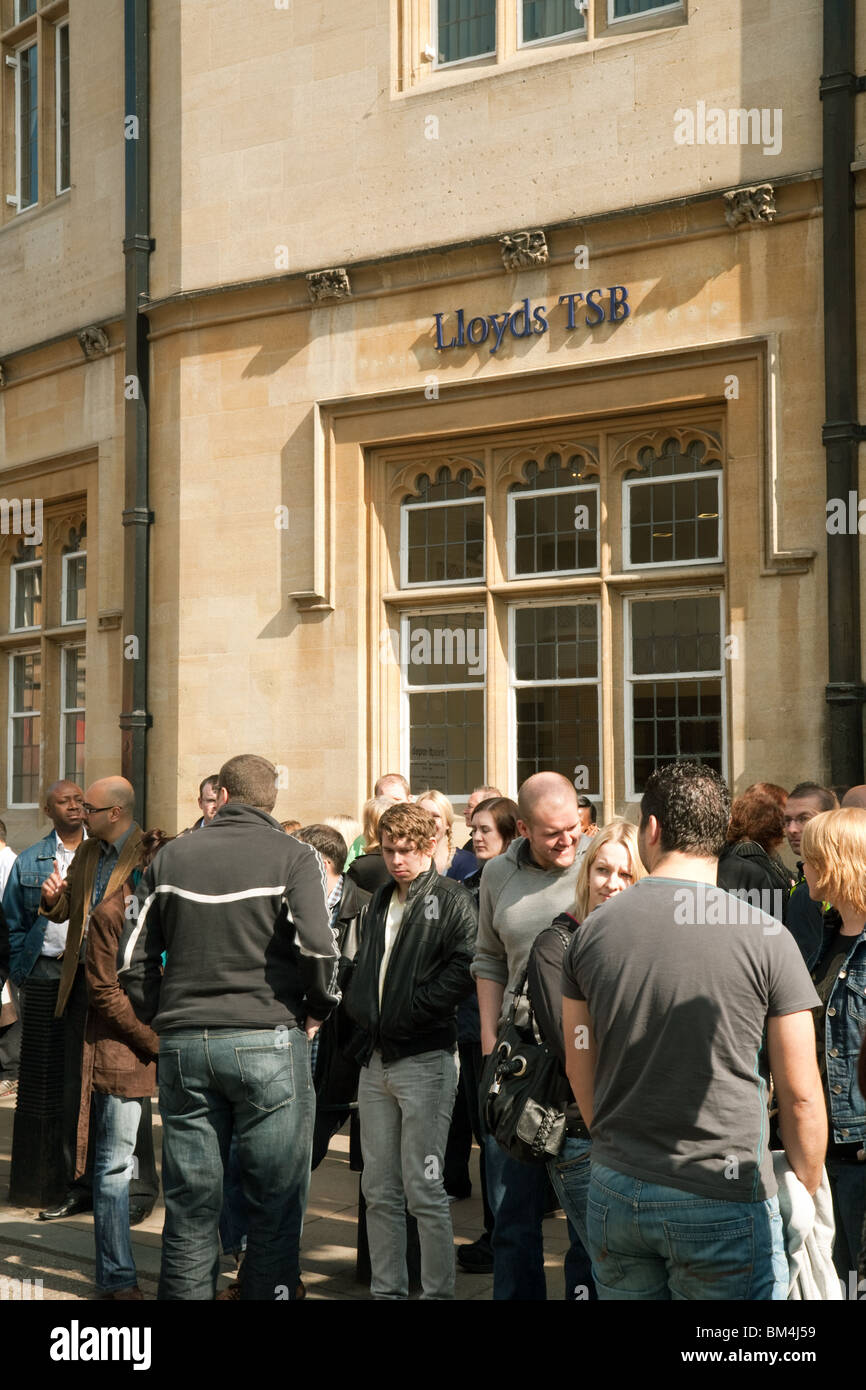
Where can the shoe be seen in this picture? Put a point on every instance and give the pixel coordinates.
(72, 1204)
(476, 1258)
(138, 1213)
(229, 1295)
(122, 1296)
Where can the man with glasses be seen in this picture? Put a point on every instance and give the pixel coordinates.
(803, 918)
(101, 865)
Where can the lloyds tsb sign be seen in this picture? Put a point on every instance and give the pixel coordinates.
(593, 308)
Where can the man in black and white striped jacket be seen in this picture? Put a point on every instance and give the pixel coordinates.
(240, 911)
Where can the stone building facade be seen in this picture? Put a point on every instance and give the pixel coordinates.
(485, 401)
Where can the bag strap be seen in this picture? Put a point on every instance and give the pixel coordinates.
(522, 992)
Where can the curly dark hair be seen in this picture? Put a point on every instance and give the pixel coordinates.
(692, 805)
(758, 818)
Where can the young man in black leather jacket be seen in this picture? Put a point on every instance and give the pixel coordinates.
(411, 972)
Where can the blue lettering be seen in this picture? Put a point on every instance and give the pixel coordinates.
(571, 300)
(596, 308)
(440, 345)
(619, 300)
(461, 340)
(470, 326)
(527, 331)
(538, 315)
(499, 328)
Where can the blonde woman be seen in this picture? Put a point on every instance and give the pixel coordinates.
(833, 846)
(611, 864)
(368, 870)
(439, 807)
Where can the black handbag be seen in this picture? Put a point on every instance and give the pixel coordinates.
(523, 1091)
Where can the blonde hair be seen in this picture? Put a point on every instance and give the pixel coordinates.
(440, 799)
(835, 843)
(617, 832)
(347, 826)
(373, 811)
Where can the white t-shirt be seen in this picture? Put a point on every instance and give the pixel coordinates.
(7, 859)
(54, 941)
(393, 922)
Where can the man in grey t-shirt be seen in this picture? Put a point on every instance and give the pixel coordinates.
(671, 992)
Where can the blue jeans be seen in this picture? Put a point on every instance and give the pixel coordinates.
(405, 1111)
(233, 1217)
(257, 1085)
(518, 1197)
(848, 1189)
(116, 1127)
(653, 1242)
(569, 1176)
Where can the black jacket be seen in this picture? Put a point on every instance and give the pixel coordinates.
(428, 972)
(240, 909)
(544, 986)
(745, 867)
(368, 871)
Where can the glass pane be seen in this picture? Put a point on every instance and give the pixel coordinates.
(675, 720)
(557, 730)
(73, 747)
(63, 108)
(26, 683)
(445, 649)
(445, 543)
(556, 643)
(25, 760)
(73, 688)
(75, 567)
(624, 9)
(546, 19)
(467, 28)
(556, 534)
(676, 635)
(24, 9)
(28, 135)
(446, 742)
(27, 588)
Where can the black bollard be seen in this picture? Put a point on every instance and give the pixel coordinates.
(37, 1177)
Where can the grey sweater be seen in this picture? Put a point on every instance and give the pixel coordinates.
(518, 900)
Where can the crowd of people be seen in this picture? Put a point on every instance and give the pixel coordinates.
(703, 1001)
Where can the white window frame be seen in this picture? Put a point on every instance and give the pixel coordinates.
(59, 188)
(574, 601)
(19, 17)
(406, 690)
(613, 18)
(511, 539)
(64, 587)
(456, 62)
(568, 35)
(407, 507)
(13, 587)
(666, 478)
(14, 61)
(65, 709)
(630, 679)
(20, 714)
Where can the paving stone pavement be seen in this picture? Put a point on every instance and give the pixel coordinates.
(60, 1253)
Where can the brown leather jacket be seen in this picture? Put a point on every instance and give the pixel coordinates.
(119, 1050)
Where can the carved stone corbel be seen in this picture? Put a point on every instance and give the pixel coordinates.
(94, 341)
(329, 284)
(755, 204)
(523, 249)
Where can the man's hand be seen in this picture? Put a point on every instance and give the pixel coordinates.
(312, 1026)
(53, 886)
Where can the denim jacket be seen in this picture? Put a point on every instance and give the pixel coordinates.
(21, 906)
(845, 1025)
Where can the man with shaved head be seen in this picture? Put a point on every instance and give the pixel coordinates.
(522, 891)
(101, 865)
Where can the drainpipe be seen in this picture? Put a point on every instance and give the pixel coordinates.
(842, 431)
(137, 516)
